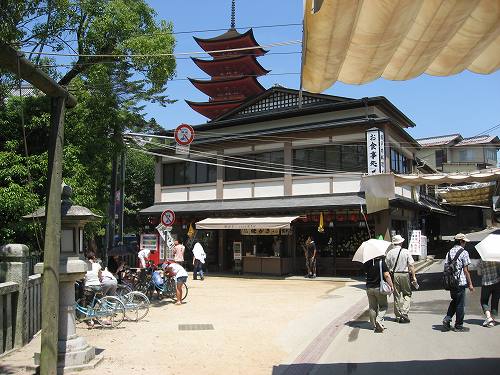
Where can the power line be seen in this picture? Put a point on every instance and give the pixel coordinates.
(270, 45)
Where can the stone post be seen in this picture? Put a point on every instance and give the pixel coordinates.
(14, 266)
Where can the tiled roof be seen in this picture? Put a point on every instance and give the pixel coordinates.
(438, 140)
(479, 140)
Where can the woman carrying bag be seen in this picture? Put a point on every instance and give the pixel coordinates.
(377, 290)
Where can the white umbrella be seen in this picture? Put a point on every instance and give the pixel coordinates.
(371, 249)
(489, 248)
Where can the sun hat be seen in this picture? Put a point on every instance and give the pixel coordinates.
(397, 239)
(462, 237)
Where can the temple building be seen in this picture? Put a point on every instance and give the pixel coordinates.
(233, 71)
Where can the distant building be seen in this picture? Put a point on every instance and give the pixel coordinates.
(453, 153)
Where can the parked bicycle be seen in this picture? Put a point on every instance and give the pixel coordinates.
(108, 311)
(163, 285)
(136, 305)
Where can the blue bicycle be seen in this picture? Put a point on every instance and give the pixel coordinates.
(108, 311)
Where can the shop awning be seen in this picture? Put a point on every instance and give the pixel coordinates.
(485, 175)
(275, 222)
(356, 42)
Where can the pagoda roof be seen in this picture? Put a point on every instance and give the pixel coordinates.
(231, 39)
(214, 109)
(244, 64)
(248, 86)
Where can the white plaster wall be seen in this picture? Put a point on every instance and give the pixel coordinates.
(346, 185)
(269, 189)
(398, 190)
(174, 194)
(237, 191)
(311, 141)
(311, 186)
(406, 192)
(269, 146)
(237, 150)
(202, 193)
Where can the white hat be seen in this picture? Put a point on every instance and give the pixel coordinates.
(461, 236)
(397, 239)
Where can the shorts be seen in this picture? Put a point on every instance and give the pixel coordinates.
(181, 280)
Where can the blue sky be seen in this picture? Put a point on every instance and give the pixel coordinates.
(466, 103)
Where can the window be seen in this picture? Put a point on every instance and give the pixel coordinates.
(399, 162)
(440, 158)
(466, 155)
(266, 160)
(187, 173)
(331, 159)
(490, 154)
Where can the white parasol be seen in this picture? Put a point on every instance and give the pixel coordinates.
(371, 249)
(489, 248)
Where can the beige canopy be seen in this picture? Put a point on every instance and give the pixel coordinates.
(275, 222)
(485, 175)
(356, 41)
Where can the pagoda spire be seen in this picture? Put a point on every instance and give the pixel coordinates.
(233, 12)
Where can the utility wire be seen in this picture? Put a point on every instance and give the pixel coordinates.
(175, 54)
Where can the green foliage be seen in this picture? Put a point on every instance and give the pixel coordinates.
(108, 90)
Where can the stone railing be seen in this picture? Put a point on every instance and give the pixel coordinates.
(34, 308)
(20, 298)
(9, 293)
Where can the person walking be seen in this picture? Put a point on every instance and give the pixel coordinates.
(400, 263)
(460, 256)
(310, 253)
(198, 260)
(179, 252)
(377, 302)
(490, 289)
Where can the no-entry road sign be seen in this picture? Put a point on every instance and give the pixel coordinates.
(167, 218)
(184, 134)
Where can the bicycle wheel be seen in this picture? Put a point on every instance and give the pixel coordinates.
(136, 305)
(80, 310)
(184, 292)
(109, 311)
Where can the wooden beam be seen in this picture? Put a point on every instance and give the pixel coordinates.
(52, 246)
(9, 59)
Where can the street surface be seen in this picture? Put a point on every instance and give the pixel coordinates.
(289, 326)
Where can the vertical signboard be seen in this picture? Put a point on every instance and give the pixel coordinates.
(375, 150)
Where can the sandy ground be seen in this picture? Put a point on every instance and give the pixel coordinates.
(258, 323)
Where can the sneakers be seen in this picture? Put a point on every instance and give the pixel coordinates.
(446, 324)
(489, 322)
(379, 328)
(403, 319)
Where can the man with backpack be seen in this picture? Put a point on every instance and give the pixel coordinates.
(456, 278)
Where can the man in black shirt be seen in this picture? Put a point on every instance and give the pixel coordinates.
(377, 301)
(310, 255)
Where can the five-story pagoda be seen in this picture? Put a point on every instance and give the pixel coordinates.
(233, 71)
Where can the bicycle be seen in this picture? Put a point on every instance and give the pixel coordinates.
(108, 311)
(165, 289)
(136, 305)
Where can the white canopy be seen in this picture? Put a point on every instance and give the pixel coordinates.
(275, 222)
(484, 175)
(356, 41)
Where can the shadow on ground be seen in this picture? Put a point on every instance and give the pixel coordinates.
(433, 367)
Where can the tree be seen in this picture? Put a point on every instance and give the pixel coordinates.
(109, 91)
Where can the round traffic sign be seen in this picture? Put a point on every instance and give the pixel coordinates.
(184, 134)
(167, 218)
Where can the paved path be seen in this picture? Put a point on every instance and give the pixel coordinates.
(420, 347)
(289, 326)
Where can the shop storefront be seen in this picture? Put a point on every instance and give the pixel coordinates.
(257, 244)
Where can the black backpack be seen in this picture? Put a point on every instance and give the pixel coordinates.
(450, 277)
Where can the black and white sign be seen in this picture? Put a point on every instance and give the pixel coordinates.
(375, 150)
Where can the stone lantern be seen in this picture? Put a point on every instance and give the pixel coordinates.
(73, 351)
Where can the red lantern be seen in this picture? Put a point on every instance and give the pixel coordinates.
(353, 217)
(340, 217)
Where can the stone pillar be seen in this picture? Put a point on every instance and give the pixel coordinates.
(14, 266)
(74, 353)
